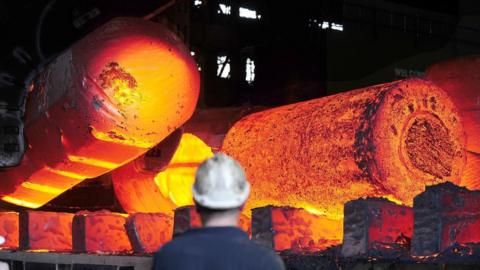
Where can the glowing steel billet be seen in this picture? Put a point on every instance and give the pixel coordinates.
(102, 103)
(100, 232)
(385, 140)
(45, 231)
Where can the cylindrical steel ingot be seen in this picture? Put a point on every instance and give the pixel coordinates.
(385, 140)
(107, 100)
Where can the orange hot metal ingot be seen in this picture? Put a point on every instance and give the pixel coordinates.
(460, 78)
(9, 228)
(100, 232)
(149, 231)
(385, 140)
(283, 228)
(142, 188)
(374, 225)
(42, 231)
(102, 103)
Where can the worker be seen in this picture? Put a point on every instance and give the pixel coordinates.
(219, 192)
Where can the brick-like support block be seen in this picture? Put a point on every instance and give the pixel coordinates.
(41, 230)
(100, 232)
(9, 228)
(374, 225)
(187, 217)
(149, 231)
(283, 228)
(445, 214)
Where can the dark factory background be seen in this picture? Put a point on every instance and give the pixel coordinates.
(249, 53)
(262, 52)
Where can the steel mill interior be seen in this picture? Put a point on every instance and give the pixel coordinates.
(357, 124)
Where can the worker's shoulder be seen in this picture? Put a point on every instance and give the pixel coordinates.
(266, 256)
(262, 257)
(188, 245)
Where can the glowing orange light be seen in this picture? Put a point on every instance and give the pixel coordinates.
(93, 162)
(123, 85)
(102, 103)
(166, 190)
(20, 202)
(67, 174)
(296, 229)
(176, 181)
(304, 232)
(42, 188)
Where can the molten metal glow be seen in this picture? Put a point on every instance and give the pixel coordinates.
(388, 140)
(42, 188)
(123, 85)
(111, 137)
(39, 250)
(176, 181)
(161, 191)
(20, 202)
(296, 229)
(102, 103)
(93, 162)
(152, 192)
(315, 211)
(67, 174)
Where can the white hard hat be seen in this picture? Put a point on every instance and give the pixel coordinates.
(220, 183)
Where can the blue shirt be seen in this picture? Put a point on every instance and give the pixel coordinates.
(215, 248)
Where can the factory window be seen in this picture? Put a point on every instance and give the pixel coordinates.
(223, 66)
(250, 71)
(312, 22)
(248, 13)
(337, 26)
(325, 25)
(224, 9)
(197, 3)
